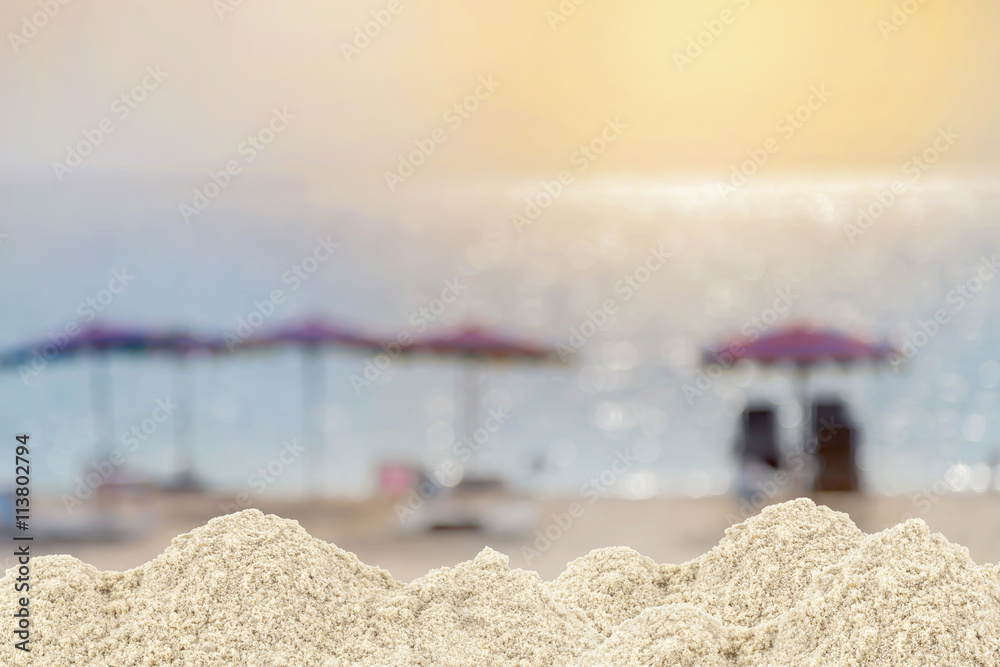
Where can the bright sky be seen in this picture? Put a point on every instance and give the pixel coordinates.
(559, 83)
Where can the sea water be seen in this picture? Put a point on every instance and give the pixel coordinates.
(631, 277)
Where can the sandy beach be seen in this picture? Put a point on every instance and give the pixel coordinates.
(795, 584)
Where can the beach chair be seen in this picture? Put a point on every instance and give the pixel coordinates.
(757, 441)
(836, 439)
(757, 452)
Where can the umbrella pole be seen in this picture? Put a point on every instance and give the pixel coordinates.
(313, 391)
(802, 375)
(183, 390)
(472, 379)
(101, 409)
(101, 405)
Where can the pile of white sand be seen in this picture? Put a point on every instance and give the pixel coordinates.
(797, 585)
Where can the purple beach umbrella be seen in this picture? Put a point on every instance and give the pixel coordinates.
(99, 342)
(312, 336)
(477, 345)
(804, 347)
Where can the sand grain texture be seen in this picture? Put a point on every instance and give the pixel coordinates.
(798, 585)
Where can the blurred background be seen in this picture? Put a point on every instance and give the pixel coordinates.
(545, 276)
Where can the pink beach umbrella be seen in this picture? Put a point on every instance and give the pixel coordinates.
(803, 347)
(476, 346)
